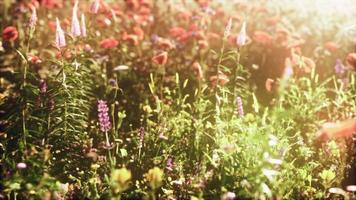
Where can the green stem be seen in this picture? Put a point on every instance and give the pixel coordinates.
(108, 145)
(234, 76)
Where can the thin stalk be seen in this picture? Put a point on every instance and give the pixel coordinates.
(108, 145)
(234, 76)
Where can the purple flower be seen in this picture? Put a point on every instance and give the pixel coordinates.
(113, 82)
(339, 67)
(43, 87)
(169, 165)
(75, 22)
(241, 37)
(60, 38)
(228, 28)
(239, 105)
(103, 116)
(33, 18)
(94, 8)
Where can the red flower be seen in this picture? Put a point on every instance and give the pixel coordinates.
(10, 33)
(177, 31)
(262, 37)
(337, 130)
(108, 43)
(160, 59)
(34, 59)
(331, 46)
(351, 60)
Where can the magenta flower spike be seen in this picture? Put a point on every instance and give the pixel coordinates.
(75, 21)
(103, 116)
(83, 26)
(33, 18)
(94, 8)
(60, 38)
(241, 37)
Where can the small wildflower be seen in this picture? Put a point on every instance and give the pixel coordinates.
(228, 196)
(169, 165)
(351, 188)
(43, 87)
(241, 37)
(163, 137)
(228, 28)
(239, 106)
(262, 37)
(337, 130)
(94, 8)
(103, 116)
(288, 70)
(10, 33)
(121, 68)
(33, 18)
(60, 38)
(120, 180)
(160, 59)
(75, 22)
(339, 67)
(108, 43)
(351, 60)
(34, 59)
(21, 165)
(269, 84)
(141, 136)
(197, 69)
(154, 178)
(221, 79)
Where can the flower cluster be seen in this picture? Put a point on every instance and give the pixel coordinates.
(103, 116)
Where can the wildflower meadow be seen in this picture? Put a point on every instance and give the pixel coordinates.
(177, 99)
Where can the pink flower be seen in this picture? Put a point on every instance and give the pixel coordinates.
(21, 165)
(75, 22)
(198, 71)
(83, 27)
(241, 37)
(60, 38)
(94, 8)
(33, 18)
